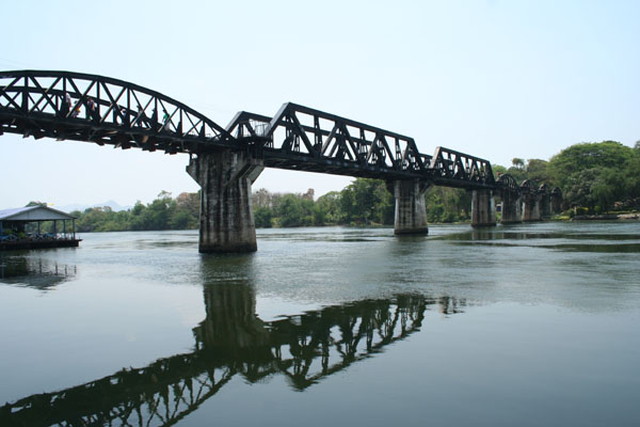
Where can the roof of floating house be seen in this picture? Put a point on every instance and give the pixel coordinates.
(33, 213)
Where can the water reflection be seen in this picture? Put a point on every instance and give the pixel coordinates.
(34, 272)
(233, 341)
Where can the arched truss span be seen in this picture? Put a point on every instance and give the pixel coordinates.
(528, 186)
(86, 107)
(509, 183)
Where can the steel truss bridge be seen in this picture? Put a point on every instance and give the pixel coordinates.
(106, 111)
(305, 348)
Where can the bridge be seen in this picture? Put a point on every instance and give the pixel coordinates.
(231, 341)
(225, 161)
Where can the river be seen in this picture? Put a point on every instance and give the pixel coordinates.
(527, 325)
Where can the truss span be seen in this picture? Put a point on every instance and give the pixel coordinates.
(302, 138)
(86, 107)
(103, 110)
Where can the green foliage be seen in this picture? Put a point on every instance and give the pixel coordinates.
(263, 217)
(366, 201)
(329, 208)
(596, 176)
(599, 176)
(294, 211)
(447, 204)
(164, 213)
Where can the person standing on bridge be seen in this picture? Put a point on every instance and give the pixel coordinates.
(66, 105)
(91, 109)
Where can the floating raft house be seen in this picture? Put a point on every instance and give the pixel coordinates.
(36, 227)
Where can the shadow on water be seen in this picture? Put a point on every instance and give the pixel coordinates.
(233, 341)
(34, 272)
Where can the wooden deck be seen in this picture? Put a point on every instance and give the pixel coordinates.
(38, 244)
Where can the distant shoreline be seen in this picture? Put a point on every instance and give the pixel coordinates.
(608, 217)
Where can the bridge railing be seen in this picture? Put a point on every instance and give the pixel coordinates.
(77, 106)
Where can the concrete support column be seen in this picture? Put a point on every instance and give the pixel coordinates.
(411, 209)
(483, 208)
(226, 217)
(556, 201)
(531, 208)
(511, 208)
(545, 205)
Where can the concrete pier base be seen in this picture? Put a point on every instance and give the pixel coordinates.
(483, 208)
(226, 217)
(511, 208)
(411, 210)
(545, 205)
(531, 208)
(556, 201)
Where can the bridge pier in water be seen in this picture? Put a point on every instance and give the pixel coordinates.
(531, 208)
(511, 208)
(411, 209)
(483, 208)
(226, 216)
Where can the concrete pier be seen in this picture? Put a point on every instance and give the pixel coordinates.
(511, 208)
(226, 217)
(531, 207)
(411, 210)
(556, 201)
(483, 208)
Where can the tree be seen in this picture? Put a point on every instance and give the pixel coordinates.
(517, 163)
(293, 211)
(366, 201)
(596, 175)
(329, 204)
(584, 156)
(263, 217)
(447, 204)
(537, 171)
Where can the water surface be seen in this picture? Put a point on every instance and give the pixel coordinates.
(532, 324)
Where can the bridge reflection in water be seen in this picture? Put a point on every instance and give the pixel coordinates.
(230, 341)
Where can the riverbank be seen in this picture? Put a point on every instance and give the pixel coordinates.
(607, 217)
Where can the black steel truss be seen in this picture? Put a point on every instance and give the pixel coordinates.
(302, 138)
(103, 110)
(454, 169)
(507, 183)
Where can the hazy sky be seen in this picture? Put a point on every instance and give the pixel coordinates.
(494, 79)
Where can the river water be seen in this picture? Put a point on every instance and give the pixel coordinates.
(528, 325)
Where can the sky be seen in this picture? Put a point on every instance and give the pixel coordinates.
(495, 79)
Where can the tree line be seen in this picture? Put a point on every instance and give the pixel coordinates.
(364, 202)
(594, 177)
